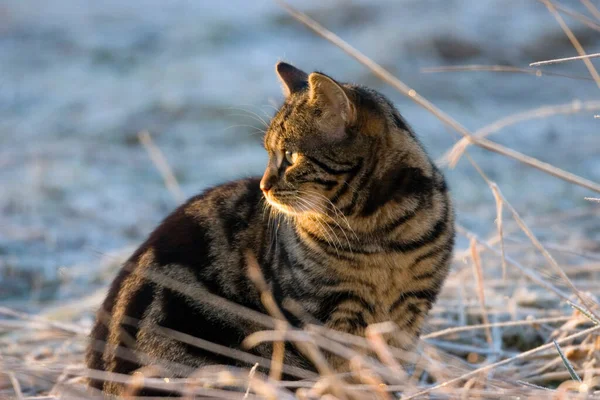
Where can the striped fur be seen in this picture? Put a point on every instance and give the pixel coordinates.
(354, 223)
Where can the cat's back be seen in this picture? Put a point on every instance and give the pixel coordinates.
(220, 216)
(197, 247)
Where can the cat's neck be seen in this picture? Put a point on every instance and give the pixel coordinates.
(411, 189)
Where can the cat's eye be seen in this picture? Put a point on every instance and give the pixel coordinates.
(291, 156)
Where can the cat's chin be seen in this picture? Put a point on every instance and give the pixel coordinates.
(285, 209)
(288, 209)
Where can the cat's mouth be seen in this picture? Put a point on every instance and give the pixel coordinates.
(289, 202)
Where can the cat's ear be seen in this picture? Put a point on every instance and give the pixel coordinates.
(331, 97)
(292, 79)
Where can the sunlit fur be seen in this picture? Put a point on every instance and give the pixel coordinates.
(358, 229)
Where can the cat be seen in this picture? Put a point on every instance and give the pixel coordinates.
(351, 220)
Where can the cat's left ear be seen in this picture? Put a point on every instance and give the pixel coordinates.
(293, 80)
(331, 97)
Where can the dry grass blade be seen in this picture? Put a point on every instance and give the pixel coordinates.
(574, 41)
(533, 238)
(308, 348)
(178, 385)
(271, 306)
(250, 376)
(455, 153)
(202, 295)
(534, 386)
(592, 9)
(549, 257)
(560, 60)
(584, 312)
(66, 327)
(500, 68)
(499, 209)
(368, 377)
(277, 360)
(594, 199)
(138, 379)
(234, 354)
(374, 334)
(543, 166)
(445, 118)
(162, 165)
(233, 378)
(525, 271)
(578, 16)
(567, 364)
(451, 331)
(503, 362)
(477, 271)
(16, 386)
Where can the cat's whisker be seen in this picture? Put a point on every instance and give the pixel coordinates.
(337, 212)
(272, 106)
(254, 119)
(307, 208)
(252, 115)
(272, 224)
(319, 216)
(259, 108)
(255, 131)
(337, 237)
(320, 210)
(270, 236)
(344, 233)
(330, 241)
(274, 228)
(350, 186)
(266, 114)
(310, 207)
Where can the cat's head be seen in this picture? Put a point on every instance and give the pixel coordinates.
(327, 144)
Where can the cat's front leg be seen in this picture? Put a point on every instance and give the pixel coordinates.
(348, 319)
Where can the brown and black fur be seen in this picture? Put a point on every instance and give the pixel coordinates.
(355, 224)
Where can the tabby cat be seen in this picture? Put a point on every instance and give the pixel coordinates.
(351, 220)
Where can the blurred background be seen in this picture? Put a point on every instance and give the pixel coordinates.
(80, 80)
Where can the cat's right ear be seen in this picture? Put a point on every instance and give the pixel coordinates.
(292, 79)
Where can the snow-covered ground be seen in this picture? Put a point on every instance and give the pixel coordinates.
(79, 80)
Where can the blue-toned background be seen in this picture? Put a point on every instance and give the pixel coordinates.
(80, 79)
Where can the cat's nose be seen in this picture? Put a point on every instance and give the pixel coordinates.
(267, 182)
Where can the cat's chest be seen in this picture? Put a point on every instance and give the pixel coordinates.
(381, 279)
(385, 270)
(377, 278)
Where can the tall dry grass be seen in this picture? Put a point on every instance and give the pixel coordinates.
(517, 318)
